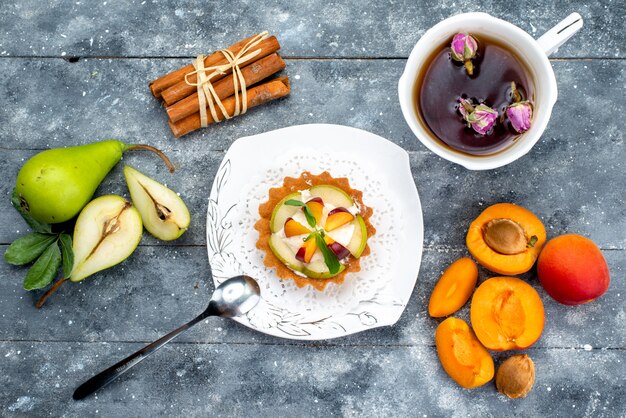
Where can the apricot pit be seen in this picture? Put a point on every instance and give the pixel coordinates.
(506, 238)
(516, 376)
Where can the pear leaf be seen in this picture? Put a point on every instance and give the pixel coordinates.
(27, 248)
(44, 270)
(68, 254)
(32, 222)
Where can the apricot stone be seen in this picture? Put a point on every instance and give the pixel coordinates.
(506, 238)
(572, 269)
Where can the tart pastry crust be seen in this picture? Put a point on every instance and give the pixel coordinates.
(291, 185)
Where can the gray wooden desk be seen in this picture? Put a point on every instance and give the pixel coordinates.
(77, 71)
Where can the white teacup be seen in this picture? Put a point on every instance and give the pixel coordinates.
(533, 52)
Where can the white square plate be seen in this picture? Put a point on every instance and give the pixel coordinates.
(377, 295)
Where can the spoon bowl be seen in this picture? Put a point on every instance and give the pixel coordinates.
(234, 297)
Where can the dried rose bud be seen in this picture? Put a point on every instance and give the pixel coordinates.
(481, 118)
(520, 114)
(463, 49)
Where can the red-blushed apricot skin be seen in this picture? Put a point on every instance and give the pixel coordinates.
(462, 356)
(572, 269)
(454, 288)
(507, 314)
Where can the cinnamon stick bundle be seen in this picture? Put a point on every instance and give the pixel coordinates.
(257, 95)
(224, 88)
(168, 80)
(180, 89)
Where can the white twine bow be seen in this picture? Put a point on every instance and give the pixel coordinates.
(206, 92)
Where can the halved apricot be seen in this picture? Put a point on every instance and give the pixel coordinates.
(506, 314)
(454, 288)
(462, 356)
(506, 238)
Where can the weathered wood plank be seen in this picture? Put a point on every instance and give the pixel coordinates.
(573, 179)
(53, 103)
(268, 381)
(160, 287)
(305, 29)
(548, 180)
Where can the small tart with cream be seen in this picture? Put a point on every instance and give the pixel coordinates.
(314, 229)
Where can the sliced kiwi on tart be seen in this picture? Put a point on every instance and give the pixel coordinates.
(316, 226)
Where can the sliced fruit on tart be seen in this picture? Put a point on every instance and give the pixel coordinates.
(332, 195)
(325, 217)
(357, 244)
(319, 270)
(284, 253)
(306, 252)
(338, 217)
(282, 212)
(316, 206)
(293, 228)
(339, 250)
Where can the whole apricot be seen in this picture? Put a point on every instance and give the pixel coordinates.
(572, 269)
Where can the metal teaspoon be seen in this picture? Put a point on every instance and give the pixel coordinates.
(236, 296)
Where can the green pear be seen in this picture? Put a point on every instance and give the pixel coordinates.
(163, 212)
(54, 185)
(107, 231)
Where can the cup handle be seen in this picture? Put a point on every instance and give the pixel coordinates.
(560, 33)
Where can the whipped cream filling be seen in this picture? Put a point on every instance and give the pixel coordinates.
(342, 235)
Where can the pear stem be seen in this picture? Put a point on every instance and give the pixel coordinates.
(50, 291)
(157, 151)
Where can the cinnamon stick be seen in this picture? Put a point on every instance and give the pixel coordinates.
(181, 89)
(224, 88)
(168, 80)
(257, 95)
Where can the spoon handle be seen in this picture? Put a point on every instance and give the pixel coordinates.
(107, 376)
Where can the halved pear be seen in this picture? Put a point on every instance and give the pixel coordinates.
(164, 214)
(107, 231)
